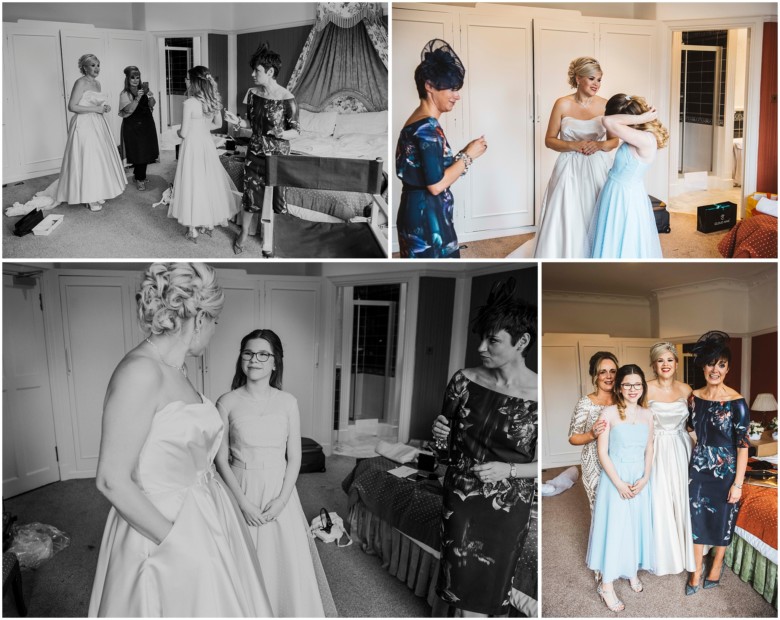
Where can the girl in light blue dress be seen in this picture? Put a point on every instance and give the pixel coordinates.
(621, 531)
(623, 225)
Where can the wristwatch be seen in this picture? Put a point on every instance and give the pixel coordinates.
(738, 486)
(512, 470)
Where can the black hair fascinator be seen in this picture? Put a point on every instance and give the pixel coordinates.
(500, 300)
(440, 65)
(711, 347)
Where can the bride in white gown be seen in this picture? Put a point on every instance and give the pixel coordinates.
(576, 132)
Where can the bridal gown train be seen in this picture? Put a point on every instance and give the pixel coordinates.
(671, 511)
(292, 572)
(205, 567)
(570, 198)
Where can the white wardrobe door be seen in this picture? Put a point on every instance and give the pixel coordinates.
(29, 457)
(497, 53)
(124, 49)
(587, 348)
(240, 315)
(97, 330)
(411, 31)
(556, 44)
(34, 123)
(560, 393)
(628, 57)
(292, 310)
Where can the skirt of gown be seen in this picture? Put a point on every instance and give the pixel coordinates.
(203, 192)
(172, 578)
(621, 531)
(91, 169)
(294, 578)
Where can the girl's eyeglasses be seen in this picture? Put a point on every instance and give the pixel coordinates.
(631, 386)
(260, 356)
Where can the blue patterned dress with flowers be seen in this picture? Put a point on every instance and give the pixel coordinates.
(484, 526)
(421, 157)
(721, 428)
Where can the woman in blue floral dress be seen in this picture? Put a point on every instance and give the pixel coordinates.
(273, 115)
(489, 486)
(720, 418)
(424, 161)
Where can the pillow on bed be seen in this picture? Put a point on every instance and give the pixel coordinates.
(321, 123)
(366, 123)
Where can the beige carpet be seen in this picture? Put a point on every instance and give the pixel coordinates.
(569, 589)
(498, 247)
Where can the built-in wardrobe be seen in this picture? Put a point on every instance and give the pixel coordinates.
(65, 330)
(516, 61)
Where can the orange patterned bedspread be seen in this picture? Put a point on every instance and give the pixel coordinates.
(758, 513)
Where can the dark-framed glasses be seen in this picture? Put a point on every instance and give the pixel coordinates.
(260, 356)
(631, 386)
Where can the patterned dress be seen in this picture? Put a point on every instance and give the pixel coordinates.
(484, 526)
(721, 428)
(422, 155)
(582, 421)
(266, 115)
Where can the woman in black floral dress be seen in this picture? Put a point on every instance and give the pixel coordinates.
(273, 115)
(489, 488)
(720, 418)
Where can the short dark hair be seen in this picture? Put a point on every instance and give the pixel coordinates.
(271, 338)
(266, 58)
(711, 348)
(503, 312)
(440, 67)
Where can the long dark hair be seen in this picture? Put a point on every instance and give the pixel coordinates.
(129, 71)
(271, 338)
(622, 373)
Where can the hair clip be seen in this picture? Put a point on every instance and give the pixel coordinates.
(628, 98)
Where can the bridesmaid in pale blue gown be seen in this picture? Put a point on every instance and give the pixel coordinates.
(621, 531)
(623, 225)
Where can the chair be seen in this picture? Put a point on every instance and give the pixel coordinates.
(12, 578)
(286, 236)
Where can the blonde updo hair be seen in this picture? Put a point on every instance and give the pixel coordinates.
(658, 349)
(625, 104)
(171, 293)
(83, 61)
(584, 66)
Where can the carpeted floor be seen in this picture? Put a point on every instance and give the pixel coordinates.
(61, 587)
(569, 589)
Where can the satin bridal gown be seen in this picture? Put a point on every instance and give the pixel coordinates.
(91, 169)
(570, 198)
(292, 572)
(671, 511)
(205, 567)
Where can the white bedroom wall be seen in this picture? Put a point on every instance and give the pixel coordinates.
(693, 10)
(763, 305)
(625, 317)
(101, 14)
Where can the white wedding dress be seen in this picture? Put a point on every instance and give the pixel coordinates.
(671, 510)
(570, 198)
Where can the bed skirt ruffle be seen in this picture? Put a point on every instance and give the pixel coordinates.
(752, 567)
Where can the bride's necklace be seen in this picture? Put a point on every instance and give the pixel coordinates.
(584, 105)
(182, 369)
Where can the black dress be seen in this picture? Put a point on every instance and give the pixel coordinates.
(484, 526)
(266, 115)
(139, 135)
(721, 428)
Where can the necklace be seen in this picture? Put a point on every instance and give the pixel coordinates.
(584, 105)
(182, 369)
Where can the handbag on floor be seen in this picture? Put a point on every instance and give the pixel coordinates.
(329, 527)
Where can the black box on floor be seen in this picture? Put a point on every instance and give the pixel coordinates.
(312, 456)
(716, 217)
(662, 219)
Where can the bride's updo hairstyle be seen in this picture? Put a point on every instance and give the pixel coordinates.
(171, 293)
(584, 66)
(711, 348)
(83, 60)
(625, 104)
(440, 67)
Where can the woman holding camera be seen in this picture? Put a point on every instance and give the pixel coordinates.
(139, 134)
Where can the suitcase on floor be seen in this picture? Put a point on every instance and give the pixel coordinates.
(661, 215)
(312, 456)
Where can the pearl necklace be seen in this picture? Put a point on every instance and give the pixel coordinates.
(182, 369)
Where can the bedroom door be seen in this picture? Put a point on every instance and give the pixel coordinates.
(497, 103)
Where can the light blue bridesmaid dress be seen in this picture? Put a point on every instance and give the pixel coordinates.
(621, 531)
(623, 225)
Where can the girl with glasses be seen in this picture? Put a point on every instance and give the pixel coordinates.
(259, 460)
(621, 533)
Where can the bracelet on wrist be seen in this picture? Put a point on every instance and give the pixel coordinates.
(737, 486)
(466, 159)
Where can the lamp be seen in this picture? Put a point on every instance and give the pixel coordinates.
(764, 402)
